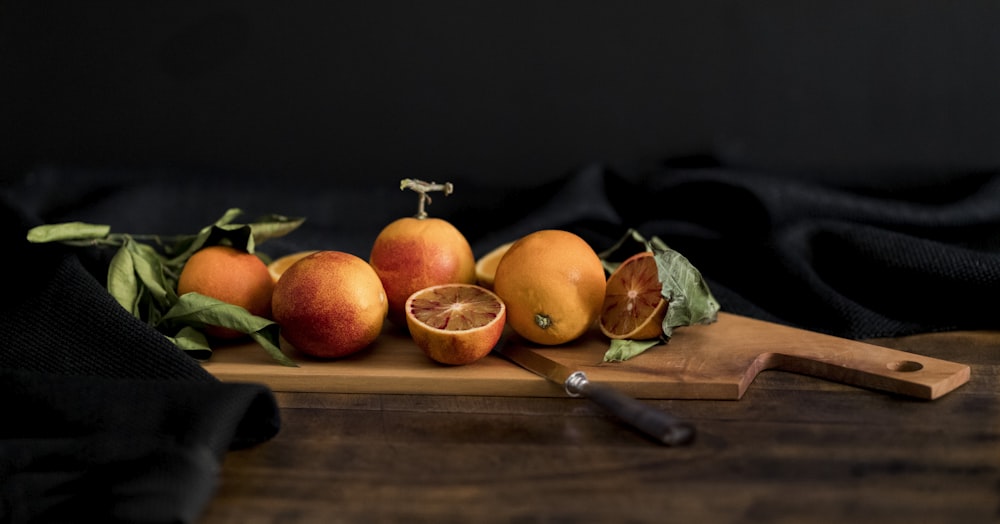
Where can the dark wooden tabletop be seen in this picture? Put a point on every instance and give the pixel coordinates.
(794, 449)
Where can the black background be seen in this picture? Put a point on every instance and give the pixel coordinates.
(511, 93)
(827, 165)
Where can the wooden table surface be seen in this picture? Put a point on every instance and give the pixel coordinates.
(794, 449)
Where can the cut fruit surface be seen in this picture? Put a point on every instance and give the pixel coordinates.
(634, 306)
(455, 324)
(486, 266)
(279, 265)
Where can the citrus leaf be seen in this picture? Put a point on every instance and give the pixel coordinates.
(238, 236)
(274, 226)
(122, 283)
(197, 310)
(691, 301)
(268, 339)
(67, 231)
(193, 342)
(149, 268)
(228, 216)
(185, 246)
(623, 349)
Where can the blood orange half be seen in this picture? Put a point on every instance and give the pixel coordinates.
(634, 307)
(455, 324)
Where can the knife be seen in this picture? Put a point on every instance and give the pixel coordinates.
(654, 423)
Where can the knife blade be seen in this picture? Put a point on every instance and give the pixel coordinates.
(662, 427)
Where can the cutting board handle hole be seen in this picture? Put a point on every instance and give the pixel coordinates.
(907, 366)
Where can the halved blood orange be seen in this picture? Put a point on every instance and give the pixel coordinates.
(633, 305)
(455, 324)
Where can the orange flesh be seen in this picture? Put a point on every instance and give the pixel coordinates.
(631, 297)
(455, 308)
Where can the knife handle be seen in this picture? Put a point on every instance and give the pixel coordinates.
(659, 425)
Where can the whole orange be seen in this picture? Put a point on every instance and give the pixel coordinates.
(329, 304)
(553, 284)
(411, 254)
(231, 275)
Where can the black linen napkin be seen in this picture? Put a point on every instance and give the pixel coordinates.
(104, 419)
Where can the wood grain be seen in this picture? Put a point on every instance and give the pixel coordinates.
(716, 361)
(794, 449)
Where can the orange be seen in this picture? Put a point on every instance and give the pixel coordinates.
(411, 254)
(329, 304)
(455, 324)
(553, 284)
(486, 266)
(231, 275)
(633, 304)
(278, 266)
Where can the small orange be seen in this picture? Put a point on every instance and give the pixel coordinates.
(634, 306)
(486, 266)
(553, 284)
(455, 324)
(231, 275)
(278, 266)
(329, 304)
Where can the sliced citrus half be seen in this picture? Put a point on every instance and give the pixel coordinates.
(455, 324)
(486, 266)
(633, 304)
(278, 266)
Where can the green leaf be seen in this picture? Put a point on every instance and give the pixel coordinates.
(202, 310)
(622, 350)
(67, 231)
(226, 232)
(149, 268)
(193, 342)
(122, 283)
(184, 246)
(268, 339)
(229, 216)
(691, 301)
(274, 226)
(195, 309)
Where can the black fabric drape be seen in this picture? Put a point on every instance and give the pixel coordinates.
(104, 417)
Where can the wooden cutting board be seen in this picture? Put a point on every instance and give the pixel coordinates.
(715, 361)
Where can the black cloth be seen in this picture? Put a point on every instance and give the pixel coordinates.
(103, 417)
